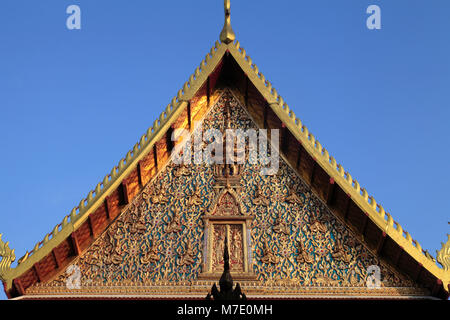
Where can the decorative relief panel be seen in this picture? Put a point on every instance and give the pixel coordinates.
(227, 206)
(236, 236)
(219, 233)
(162, 236)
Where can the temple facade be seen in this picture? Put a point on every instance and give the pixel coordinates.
(156, 226)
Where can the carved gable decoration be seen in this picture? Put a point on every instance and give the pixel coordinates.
(227, 204)
(283, 240)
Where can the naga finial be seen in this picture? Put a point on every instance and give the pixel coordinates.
(443, 255)
(8, 256)
(227, 35)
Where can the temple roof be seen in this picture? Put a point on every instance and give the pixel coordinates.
(339, 180)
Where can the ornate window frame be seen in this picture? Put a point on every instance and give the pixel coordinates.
(210, 220)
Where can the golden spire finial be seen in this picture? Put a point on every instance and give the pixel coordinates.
(227, 35)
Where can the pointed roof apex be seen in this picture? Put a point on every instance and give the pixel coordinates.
(227, 35)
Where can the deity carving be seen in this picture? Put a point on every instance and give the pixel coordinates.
(151, 256)
(303, 256)
(175, 224)
(182, 170)
(268, 255)
(229, 172)
(158, 196)
(113, 248)
(260, 199)
(187, 257)
(339, 252)
(317, 226)
(293, 198)
(237, 249)
(137, 222)
(195, 199)
(354, 275)
(219, 234)
(281, 226)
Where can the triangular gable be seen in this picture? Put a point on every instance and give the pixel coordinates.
(296, 243)
(203, 79)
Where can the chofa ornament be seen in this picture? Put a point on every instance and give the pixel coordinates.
(443, 255)
(8, 256)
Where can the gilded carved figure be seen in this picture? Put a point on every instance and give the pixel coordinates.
(175, 224)
(260, 199)
(158, 197)
(281, 226)
(293, 198)
(181, 171)
(187, 256)
(268, 255)
(151, 256)
(196, 199)
(237, 250)
(302, 255)
(340, 254)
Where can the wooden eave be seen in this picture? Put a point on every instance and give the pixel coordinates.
(343, 194)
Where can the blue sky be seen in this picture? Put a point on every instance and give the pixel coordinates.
(73, 102)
